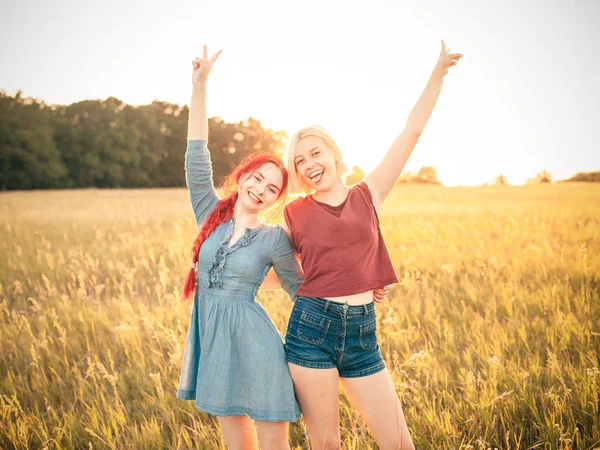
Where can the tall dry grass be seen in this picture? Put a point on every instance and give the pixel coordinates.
(492, 336)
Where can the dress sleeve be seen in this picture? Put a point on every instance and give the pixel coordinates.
(289, 226)
(198, 176)
(286, 265)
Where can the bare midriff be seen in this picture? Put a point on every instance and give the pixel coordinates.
(354, 299)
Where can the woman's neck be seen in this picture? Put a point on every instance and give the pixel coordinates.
(333, 196)
(244, 218)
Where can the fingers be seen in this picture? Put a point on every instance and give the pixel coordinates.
(378, 297)
(214, 58)
(204, 64)
(446, 50)
(380, 294)
(198, 61)
(454, 58)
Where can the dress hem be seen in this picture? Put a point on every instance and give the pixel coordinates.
(265, 416)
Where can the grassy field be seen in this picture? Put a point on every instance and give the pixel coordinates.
(492, 336)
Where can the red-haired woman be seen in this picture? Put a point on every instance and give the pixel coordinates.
(234, 363)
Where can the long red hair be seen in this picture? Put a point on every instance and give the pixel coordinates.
(224, 209)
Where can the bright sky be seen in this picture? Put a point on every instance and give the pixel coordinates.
(525, 97)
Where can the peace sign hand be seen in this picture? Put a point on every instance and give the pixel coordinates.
(447, 59)
(202, 66)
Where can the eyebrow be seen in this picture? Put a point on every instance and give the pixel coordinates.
(263, 177)
(300, 156)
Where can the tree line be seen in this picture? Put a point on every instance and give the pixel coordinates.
(109, 144)
(546, 177)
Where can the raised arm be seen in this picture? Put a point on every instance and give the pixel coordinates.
(382, 179)
(198, 168)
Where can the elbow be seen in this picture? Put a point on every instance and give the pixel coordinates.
(413, 132)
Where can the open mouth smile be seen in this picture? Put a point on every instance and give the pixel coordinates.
(316, 176)
(254, 198)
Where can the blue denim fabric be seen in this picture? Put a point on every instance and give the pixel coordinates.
(234, 359)
(322, 334)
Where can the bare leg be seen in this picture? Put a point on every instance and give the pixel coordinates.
(272, 435)
(377, 402)
(317, 393)
(239, 433)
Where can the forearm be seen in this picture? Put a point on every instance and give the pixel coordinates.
(382, 179)
(422, 110)
(198, 120)
(270, 281)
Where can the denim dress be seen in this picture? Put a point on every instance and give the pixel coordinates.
(234, 360)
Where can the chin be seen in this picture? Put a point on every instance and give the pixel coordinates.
(310, 187)
(323, 187)
(255, 207)
(260, 208)
(250, 205)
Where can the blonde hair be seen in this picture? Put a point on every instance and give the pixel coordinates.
(296, 184)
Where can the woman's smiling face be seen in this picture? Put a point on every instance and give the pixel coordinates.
(315, 164)
(260, 189)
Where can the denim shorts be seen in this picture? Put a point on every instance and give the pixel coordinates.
(322, 334)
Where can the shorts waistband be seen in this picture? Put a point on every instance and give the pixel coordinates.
(330, 305)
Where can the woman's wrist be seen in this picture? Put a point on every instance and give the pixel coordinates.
(199, 86)
(439, 70)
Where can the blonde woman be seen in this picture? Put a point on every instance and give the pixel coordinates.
(331, 333)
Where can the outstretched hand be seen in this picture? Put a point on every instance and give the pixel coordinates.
(202, 66)
(447, 59)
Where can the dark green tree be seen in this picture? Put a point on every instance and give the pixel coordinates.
(107, 143)
(29, 157)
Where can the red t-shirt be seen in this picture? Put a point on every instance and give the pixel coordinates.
(341, 247)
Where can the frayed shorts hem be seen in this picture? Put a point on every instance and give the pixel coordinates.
(343, 374)
(364, 372)
(310, 365)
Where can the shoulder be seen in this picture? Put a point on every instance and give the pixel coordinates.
(297, 204)
(361, 188)
(296, 213)
(273, 231)
(276, 235)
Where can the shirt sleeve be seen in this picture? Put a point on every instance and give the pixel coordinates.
(364, 190)
(198, 176)
(286, 265)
